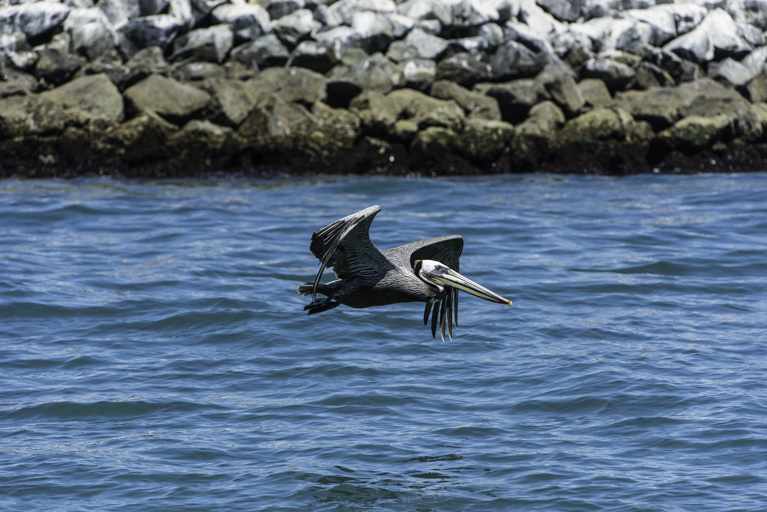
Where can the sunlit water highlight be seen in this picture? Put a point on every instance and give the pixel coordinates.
(155, 355)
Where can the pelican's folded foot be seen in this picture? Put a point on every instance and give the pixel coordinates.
(318, 306)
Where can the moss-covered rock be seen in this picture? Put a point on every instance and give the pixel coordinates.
(696, 132)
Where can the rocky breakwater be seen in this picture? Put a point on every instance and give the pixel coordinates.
(174, 87)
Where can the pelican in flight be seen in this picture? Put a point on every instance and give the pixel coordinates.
(424, 271)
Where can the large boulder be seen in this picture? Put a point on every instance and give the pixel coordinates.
(295, 27)
(474, 104)
(210, 44)
(696, 132)
(174, 101)
(515, 99)
(56, 68)
(313, 55)
(157, 30)
(561, 87)
(295, 85)
(664, 106)
(248, 21)
(37, 21)
(95, 95)
(464, 69)
(266, 51)
(715, 38)
(514, 60)
(535, 137)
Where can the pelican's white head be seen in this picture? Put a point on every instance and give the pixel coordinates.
(440, 275)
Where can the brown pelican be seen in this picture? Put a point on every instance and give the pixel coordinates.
(424, 271)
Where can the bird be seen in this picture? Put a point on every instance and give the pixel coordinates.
(422, 271)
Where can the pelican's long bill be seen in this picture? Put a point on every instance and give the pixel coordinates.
(444, 276)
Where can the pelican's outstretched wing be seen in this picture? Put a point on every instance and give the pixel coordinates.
(447, 250)
(345, 246)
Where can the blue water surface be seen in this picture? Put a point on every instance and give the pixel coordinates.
(154, 354)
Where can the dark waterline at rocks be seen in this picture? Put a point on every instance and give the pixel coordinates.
(189, 87)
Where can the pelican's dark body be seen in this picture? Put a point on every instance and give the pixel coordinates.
(390, 282)
(368, 277)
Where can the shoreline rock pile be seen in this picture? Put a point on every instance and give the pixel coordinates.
(181, 87)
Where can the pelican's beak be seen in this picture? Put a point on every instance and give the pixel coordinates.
(449, 277)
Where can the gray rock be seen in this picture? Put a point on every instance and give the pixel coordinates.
(560, 86)
(375, 30)
(195, 71)
(369, 73)
(21, 60)
(278, 125)
(112, 67)
(417, 9)
(144, 63)
(715, 38)
(138, 33)
(185, 13)
(140, 139)
(292, 84)
(487, 40)
(172, 100)
(464, 69)
(756, 89)
(92, 102)
(37, 21)
(341, 39)
(248, 21)
(279, 8)
(568, 11)
(95, 95)
(647, 75)
(418, 74)
(687, 15)
(234, 98)
(15, 83)
(93, 39)
(680, 70)
(12, 43)
(614, 74)
(595, 93)
(661, 21)
(417, 45)
(513, 60)
(264, 52)
(462, 14)
(344, 10)
(26, 115)
(697, 131)
(730, 72)
(664, 106)
(601, 124)
(474, 104)
(534, 138)
(150, 7)
(207, 44)
(294, 27)
(515, 99)
(527, 36)
(313, 55)
(55, 68)
(119, 12)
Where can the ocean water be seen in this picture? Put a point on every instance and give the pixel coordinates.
(154, 354)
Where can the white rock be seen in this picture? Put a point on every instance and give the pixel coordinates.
(716, 35)
(661, 22)
(248, 21)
